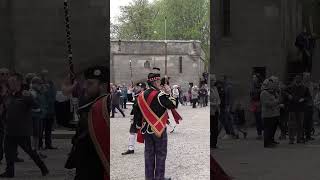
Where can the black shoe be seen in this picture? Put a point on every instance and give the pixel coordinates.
(128, 152)
(7, 175)
(167, 178)
(51, 148)
(291, 142)
(18, 160)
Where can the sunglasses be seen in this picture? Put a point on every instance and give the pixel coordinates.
(4, 74)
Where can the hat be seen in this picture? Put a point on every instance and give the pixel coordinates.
(142, 84)
(97, 72)
(155, 75)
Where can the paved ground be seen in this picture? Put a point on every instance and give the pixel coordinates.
(55, 162)
(248, 160)
(188, 148)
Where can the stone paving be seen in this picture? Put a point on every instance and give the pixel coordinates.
(55, 162)
(188, 148)
(248, 160)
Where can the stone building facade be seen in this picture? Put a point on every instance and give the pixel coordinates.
(33, 36)
(258, 35)
(184, 62)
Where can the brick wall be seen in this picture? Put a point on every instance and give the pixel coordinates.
(154, 51)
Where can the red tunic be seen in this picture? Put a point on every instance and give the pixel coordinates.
(217, 173)
(99, 129)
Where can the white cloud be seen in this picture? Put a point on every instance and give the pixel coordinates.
(115, 8)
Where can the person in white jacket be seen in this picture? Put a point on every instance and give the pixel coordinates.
(175, 94)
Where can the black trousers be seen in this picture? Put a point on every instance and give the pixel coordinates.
(194, 103)
(177, 102)
(155, 154)
(307, 62)
(308, 121)
(284, 117)
(214, 119)
(11, 145)
(270, 127)
(124, 103)
(89, 168)
(114, 107)
(47, 131)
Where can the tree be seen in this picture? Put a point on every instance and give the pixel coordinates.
(136, 20)
(186, 20)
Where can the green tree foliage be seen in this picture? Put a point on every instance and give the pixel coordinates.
(186, 20)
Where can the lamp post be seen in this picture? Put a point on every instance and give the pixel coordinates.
(131, 71)
(165, 47)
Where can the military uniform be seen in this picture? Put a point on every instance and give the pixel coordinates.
(133, 129)
(91, 144)
(151, 117)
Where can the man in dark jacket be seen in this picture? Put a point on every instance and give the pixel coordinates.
(133, 129)
(50, 93)
(116, 102)
(19, 126)
(151, 118)
(91, 144)
(298, 95)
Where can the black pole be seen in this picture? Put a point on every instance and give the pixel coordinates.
(68, 35)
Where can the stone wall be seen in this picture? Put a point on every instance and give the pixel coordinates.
(262, 34)
(38, 35)
(154, 52)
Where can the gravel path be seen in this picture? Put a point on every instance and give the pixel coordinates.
(188, 148)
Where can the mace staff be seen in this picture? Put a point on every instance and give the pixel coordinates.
(74, 101)
(68, 35)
